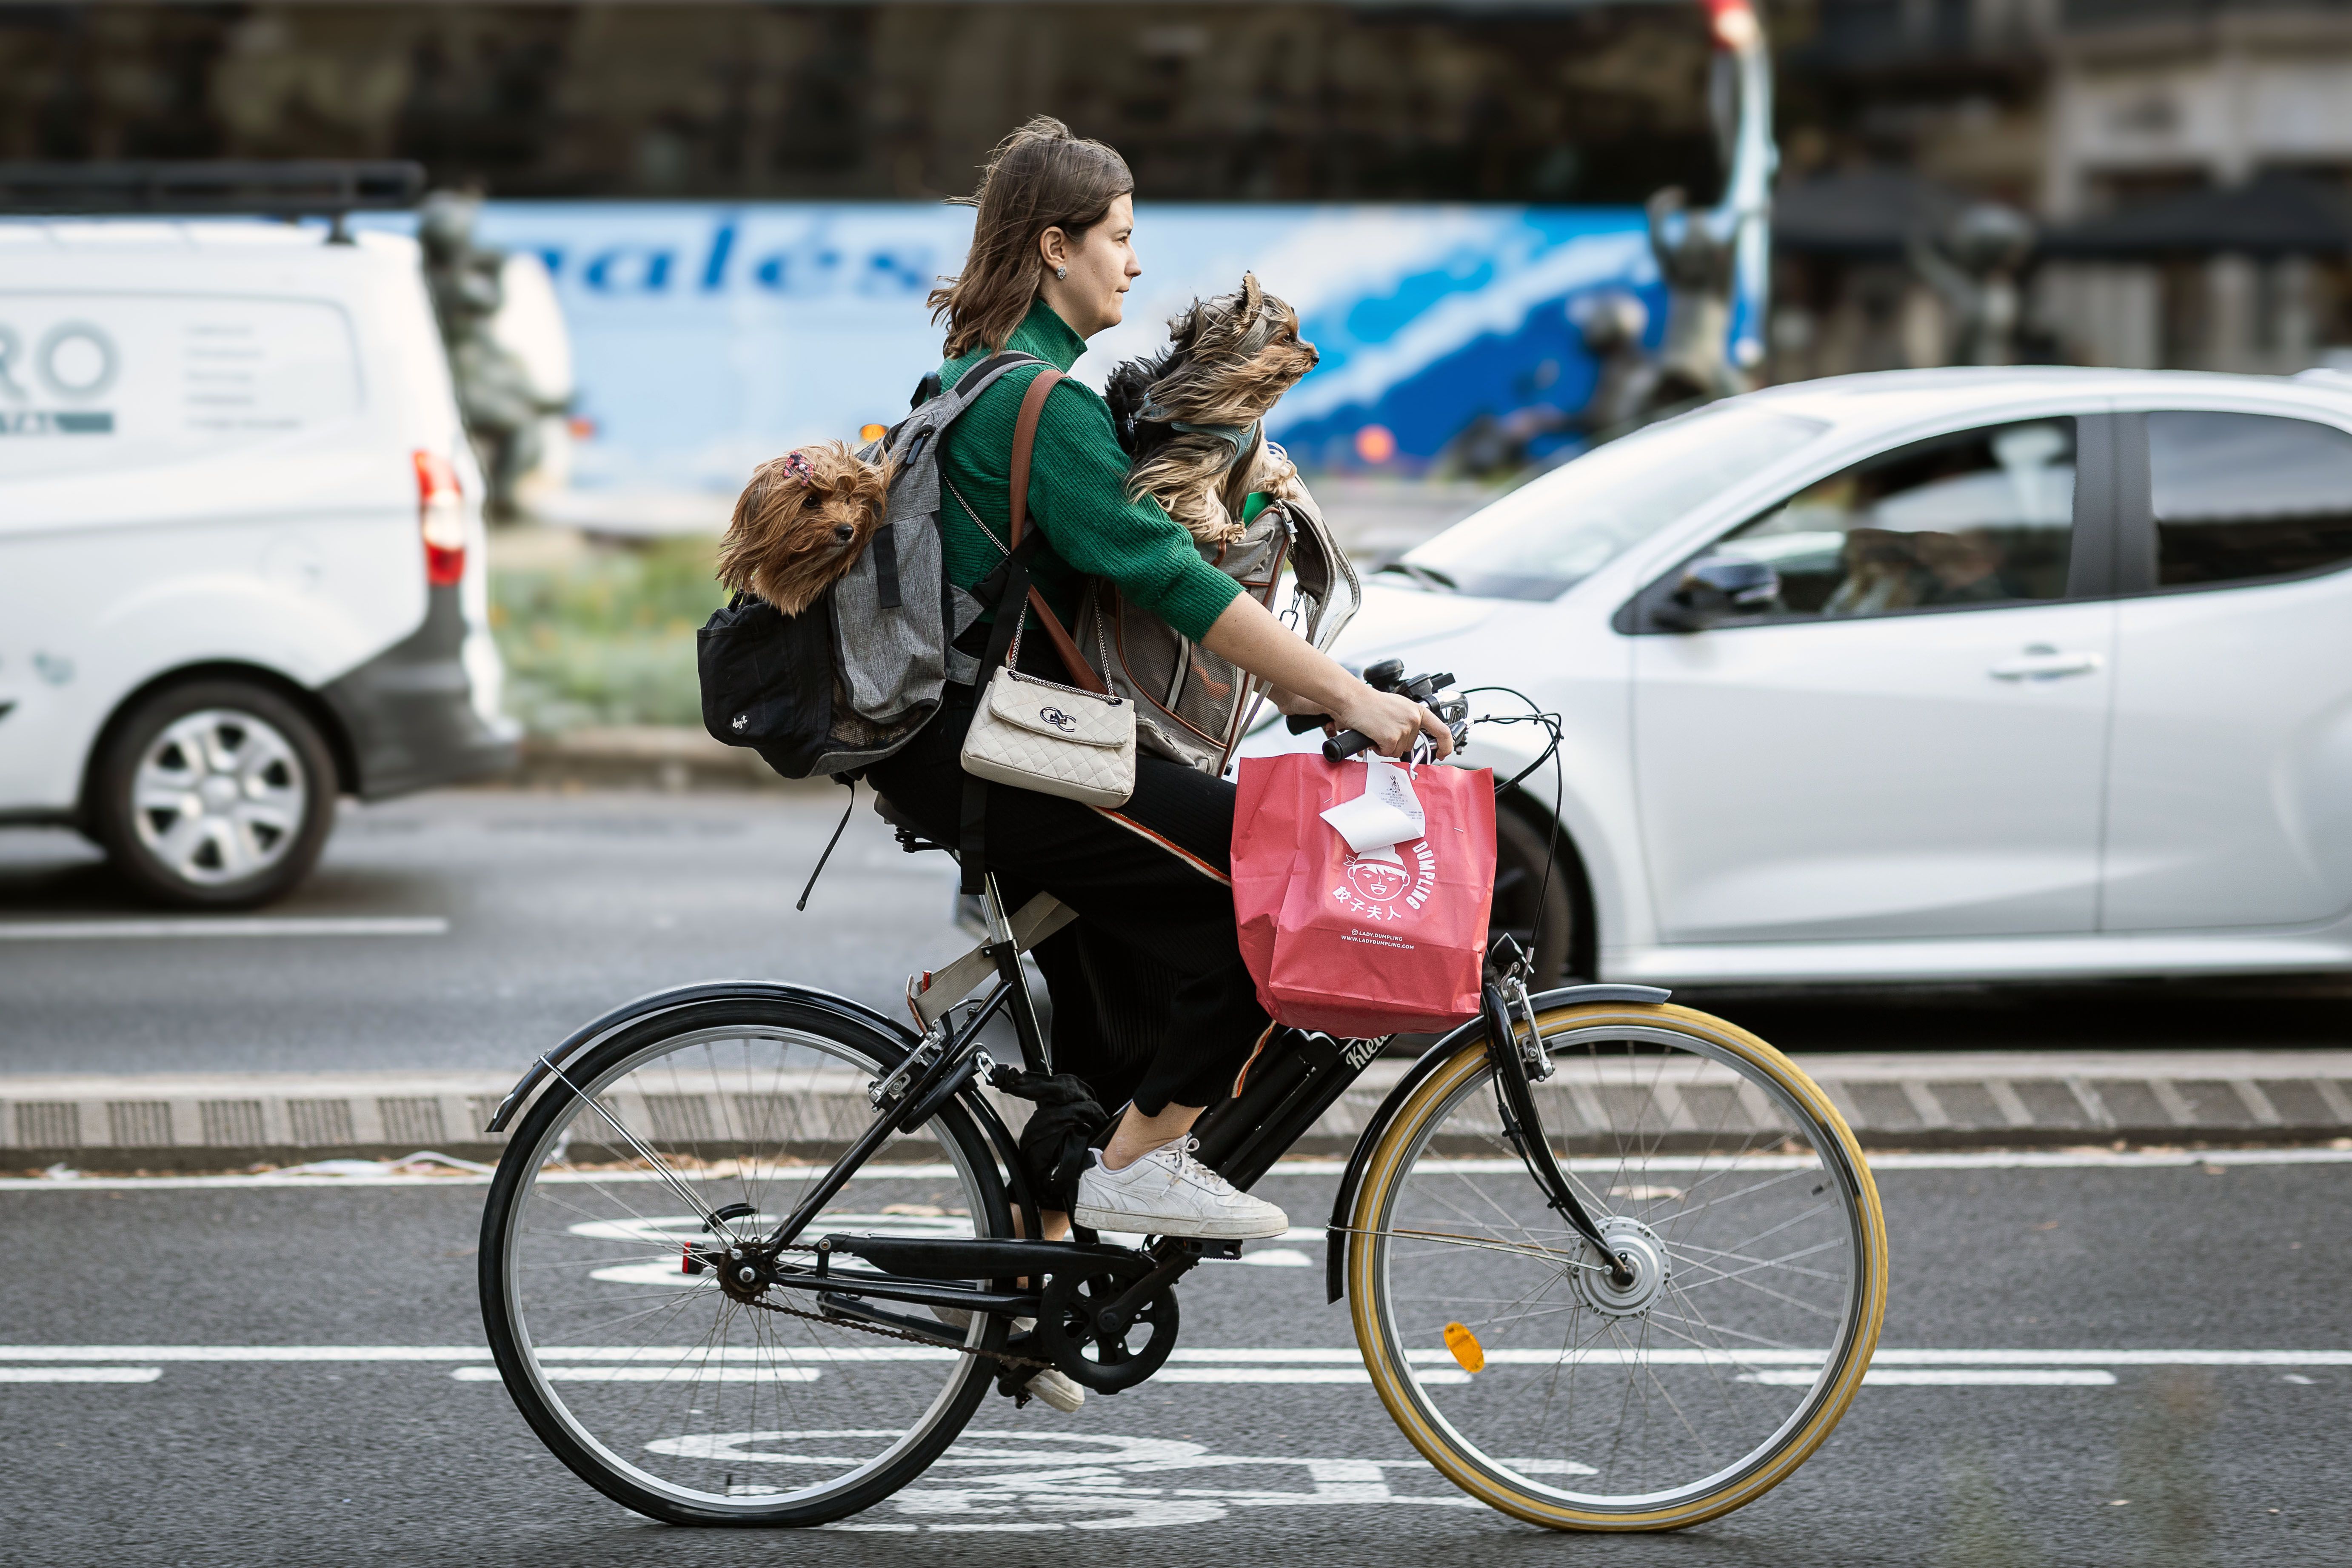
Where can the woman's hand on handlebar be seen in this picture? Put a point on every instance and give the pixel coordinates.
(1250, 636)
(1392, 722)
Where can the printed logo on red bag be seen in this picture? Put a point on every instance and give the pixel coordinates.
(1379, 884)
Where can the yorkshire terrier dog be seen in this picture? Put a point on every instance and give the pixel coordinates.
(1190, 418)
(801, 524)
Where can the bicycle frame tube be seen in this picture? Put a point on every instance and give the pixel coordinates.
(945, 1078)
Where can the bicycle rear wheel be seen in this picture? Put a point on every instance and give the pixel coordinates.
(1523, 1371)
(657, 1386)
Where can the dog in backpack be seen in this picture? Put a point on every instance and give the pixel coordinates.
(1190, 419)
(801, 524)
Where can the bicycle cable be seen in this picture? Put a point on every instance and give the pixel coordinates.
(1550, 753)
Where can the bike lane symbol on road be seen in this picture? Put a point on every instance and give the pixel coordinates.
(1027, 1482)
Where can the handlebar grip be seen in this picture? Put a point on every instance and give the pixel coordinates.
(1299, 723)
(1346, 744)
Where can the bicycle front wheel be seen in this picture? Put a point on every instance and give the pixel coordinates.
(1540, 1385)
(658, 1387)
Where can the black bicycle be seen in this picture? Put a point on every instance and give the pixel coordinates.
(751, 1257)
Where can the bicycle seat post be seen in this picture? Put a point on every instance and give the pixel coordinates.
(1005, 949)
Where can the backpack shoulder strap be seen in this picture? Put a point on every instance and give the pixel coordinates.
(1025, 442)
(980, 376)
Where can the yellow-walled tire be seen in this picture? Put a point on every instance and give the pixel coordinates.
(1448, 1224)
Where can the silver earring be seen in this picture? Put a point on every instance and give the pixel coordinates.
(1062, 272)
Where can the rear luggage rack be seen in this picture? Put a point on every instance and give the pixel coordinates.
(297, 189)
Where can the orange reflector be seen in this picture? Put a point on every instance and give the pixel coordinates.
(872, 432)
(1466, 1348)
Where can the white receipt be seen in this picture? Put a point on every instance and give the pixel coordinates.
(1387, 813)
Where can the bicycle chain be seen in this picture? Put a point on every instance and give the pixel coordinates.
(1005, 1356)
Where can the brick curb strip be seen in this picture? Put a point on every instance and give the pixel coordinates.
(1939, 1100)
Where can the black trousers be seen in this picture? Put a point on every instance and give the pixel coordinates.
(1152, 1000)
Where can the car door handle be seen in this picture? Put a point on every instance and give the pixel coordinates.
(2042, 662)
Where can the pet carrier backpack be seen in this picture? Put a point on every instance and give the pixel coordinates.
(846, 682)
(1192, 706)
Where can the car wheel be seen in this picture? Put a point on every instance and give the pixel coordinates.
(1522, 894)
(215, 795)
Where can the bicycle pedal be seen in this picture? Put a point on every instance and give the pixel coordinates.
(1216, 1251)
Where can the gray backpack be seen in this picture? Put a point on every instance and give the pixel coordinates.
(849, 680)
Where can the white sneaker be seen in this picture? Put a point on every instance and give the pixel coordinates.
(1052, 1386)
(1168, 1192)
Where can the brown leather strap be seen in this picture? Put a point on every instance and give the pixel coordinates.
(1024, 437)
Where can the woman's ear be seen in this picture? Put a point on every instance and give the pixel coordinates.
(1053, 249)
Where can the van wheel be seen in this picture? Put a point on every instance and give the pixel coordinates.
(215, 795)
(1541, 918)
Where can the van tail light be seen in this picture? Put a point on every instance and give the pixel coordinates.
(441, 518)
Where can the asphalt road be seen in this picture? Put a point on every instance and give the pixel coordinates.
(516, 916)
(204, 1461)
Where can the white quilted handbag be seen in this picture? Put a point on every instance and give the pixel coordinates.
(1039, 734)
(1055, 739)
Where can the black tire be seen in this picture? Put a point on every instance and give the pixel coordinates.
(265, 796)
(504, 1279)
(1547, 927)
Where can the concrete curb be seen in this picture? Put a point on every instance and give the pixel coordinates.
(1940, 1100)
(671, 759)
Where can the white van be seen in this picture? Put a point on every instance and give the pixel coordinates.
(241, 547)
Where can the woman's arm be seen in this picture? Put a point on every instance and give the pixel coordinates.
(1250, 638)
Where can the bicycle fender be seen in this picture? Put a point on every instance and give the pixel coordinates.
(654, 1002)
(1335, 1235)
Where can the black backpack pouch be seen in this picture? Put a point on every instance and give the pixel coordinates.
(767, 680)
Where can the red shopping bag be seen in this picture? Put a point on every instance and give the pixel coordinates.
(1388, 941)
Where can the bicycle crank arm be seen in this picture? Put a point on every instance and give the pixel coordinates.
(1523, 1124)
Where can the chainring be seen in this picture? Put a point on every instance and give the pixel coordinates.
(1069, 1335)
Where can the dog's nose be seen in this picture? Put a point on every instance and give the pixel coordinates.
(843, 532)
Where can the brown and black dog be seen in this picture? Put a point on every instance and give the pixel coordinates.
(801, 524)
(1189, 418)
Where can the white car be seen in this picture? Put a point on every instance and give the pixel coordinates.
(241, 547)
(1961, 674)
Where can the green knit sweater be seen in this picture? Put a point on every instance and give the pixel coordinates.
(1077, 494)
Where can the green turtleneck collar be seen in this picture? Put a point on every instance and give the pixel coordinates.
(1043, 332)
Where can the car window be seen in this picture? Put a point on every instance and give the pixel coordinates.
(1979, 517)
(2239, 496)
(1556, 531)
(102, 383)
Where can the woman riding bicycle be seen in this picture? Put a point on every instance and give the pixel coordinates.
(755, 1252)
(1152, 961)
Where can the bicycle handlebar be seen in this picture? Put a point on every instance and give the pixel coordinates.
(1388, 675)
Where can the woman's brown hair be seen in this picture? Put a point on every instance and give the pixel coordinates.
(1040, 177)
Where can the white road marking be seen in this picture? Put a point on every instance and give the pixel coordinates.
(1978, 1160)
(1232, 1375)
(79, 1374)
(1952, 1377)
(652, 1374)
(224, 925)
(1032, 1480)
(1279, 1258)
(1238, 1355)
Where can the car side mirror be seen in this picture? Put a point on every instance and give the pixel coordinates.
(1716, 588)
